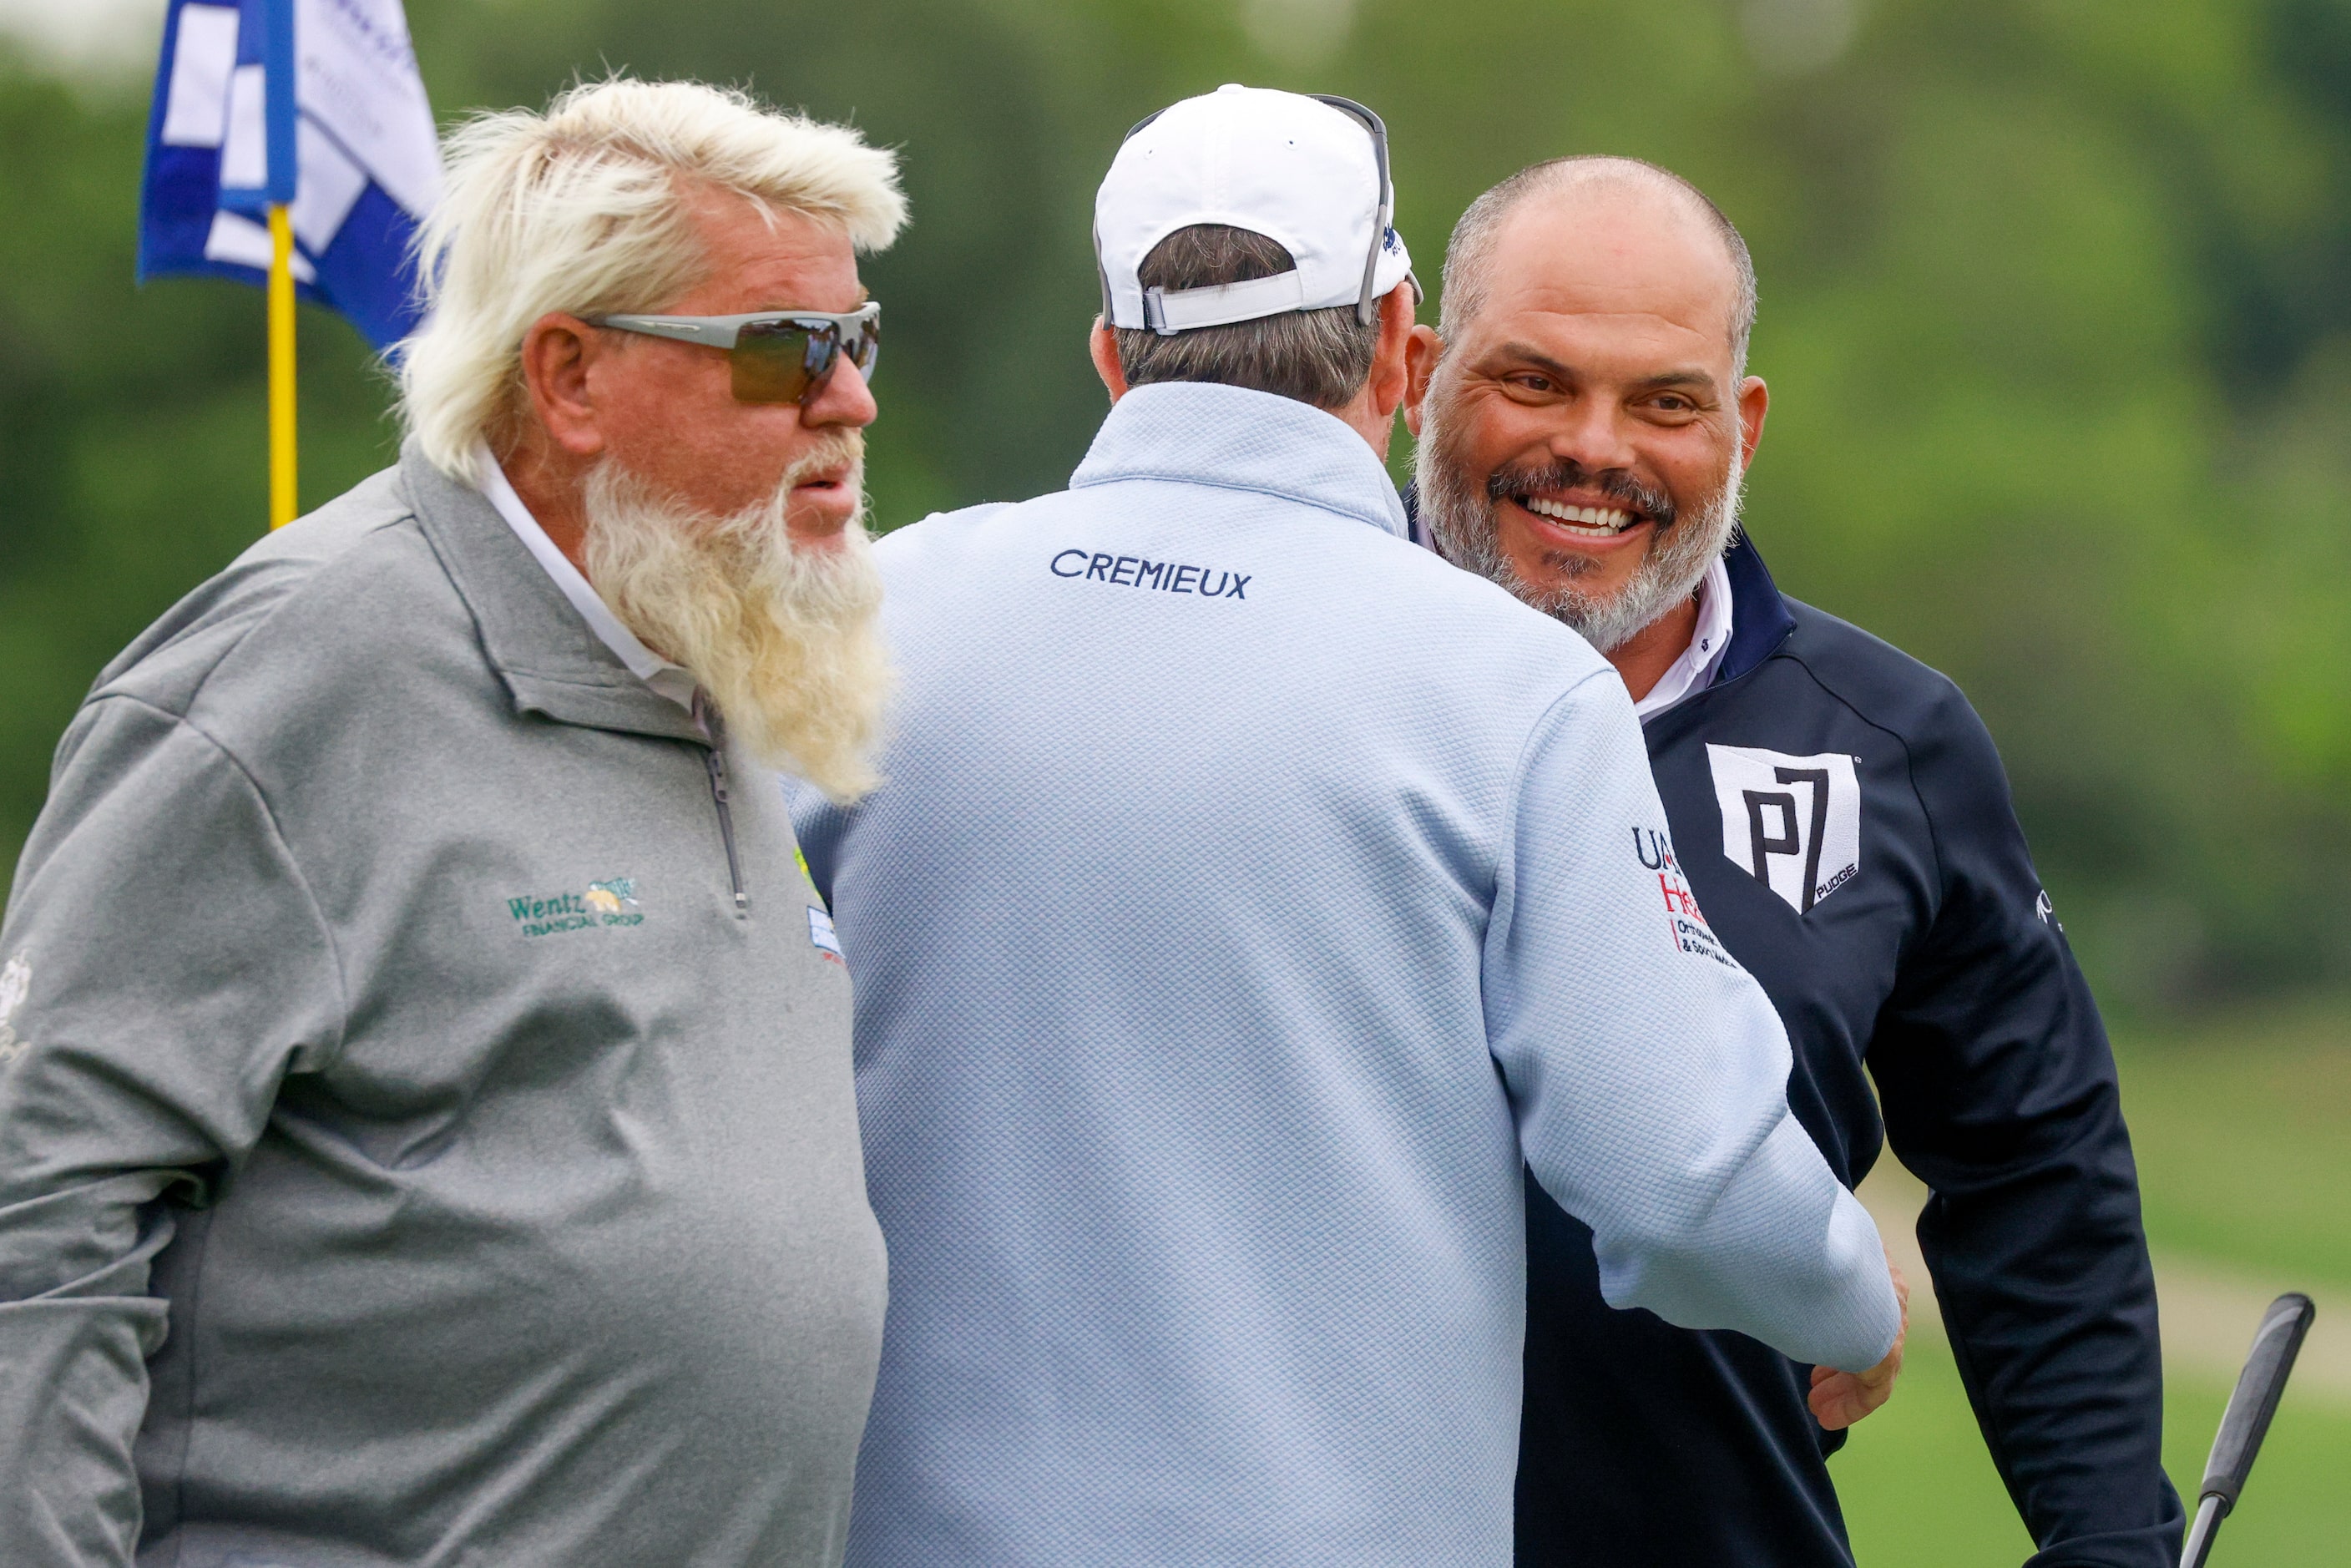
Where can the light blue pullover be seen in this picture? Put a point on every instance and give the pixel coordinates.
(1251, 890)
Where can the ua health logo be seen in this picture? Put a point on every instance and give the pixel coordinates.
(1793, 823)
(1684, 920)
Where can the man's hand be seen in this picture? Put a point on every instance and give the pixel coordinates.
(1840, 1398)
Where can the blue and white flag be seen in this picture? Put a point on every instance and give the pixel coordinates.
(367, 161)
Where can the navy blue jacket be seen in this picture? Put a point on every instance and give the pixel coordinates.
(1925, 958)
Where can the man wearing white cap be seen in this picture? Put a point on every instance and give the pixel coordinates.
(1224, 939)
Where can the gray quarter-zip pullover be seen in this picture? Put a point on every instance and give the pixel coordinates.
(426, 1125)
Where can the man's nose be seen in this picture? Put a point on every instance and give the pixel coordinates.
(1595, 434)
(845, 401)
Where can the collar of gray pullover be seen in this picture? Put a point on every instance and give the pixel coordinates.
(536, 640)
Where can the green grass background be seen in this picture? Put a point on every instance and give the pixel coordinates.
(2243, 1132)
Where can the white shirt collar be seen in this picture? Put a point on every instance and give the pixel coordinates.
(1695, 670)
(667, 679)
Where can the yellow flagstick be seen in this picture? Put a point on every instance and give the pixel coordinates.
(282, 503)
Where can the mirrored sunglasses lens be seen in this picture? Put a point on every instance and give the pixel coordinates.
(867, 348)
(772, 363)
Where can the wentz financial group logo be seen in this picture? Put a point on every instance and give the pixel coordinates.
(612, 903)
(1793, 823)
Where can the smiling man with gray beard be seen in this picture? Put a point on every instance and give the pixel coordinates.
(427, 1132)
(1838, 811)
(1662, 582)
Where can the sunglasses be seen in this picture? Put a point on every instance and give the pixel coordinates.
(777, 356)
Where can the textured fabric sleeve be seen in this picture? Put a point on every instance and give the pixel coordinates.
(1999, 1092)
(1648, 1072)
(161, 966)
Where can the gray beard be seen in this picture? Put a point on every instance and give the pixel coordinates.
(1461, 516)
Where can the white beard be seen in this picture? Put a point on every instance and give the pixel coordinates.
(1460, 515)
(782, 639)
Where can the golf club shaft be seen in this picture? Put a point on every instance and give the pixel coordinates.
(2199, 1534)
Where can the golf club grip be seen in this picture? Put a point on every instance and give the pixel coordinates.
(2247, 1420)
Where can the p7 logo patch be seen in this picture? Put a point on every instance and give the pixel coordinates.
(1793, 823)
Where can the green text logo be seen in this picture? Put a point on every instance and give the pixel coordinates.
(612, 903)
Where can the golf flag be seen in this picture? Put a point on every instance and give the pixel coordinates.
(344, 140)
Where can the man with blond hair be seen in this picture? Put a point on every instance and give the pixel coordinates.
(426, 1124)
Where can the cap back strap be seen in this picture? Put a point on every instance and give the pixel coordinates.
(1187, 308)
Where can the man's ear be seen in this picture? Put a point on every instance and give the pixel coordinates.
(1420, 355)
(556, 355)
(1103, 346)
(1754, 401)
(1387, 382)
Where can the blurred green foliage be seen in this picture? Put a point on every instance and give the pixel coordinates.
(2054, 312)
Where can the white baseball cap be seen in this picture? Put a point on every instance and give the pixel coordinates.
(1309, 173)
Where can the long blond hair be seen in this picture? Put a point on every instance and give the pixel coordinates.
(582, 209)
